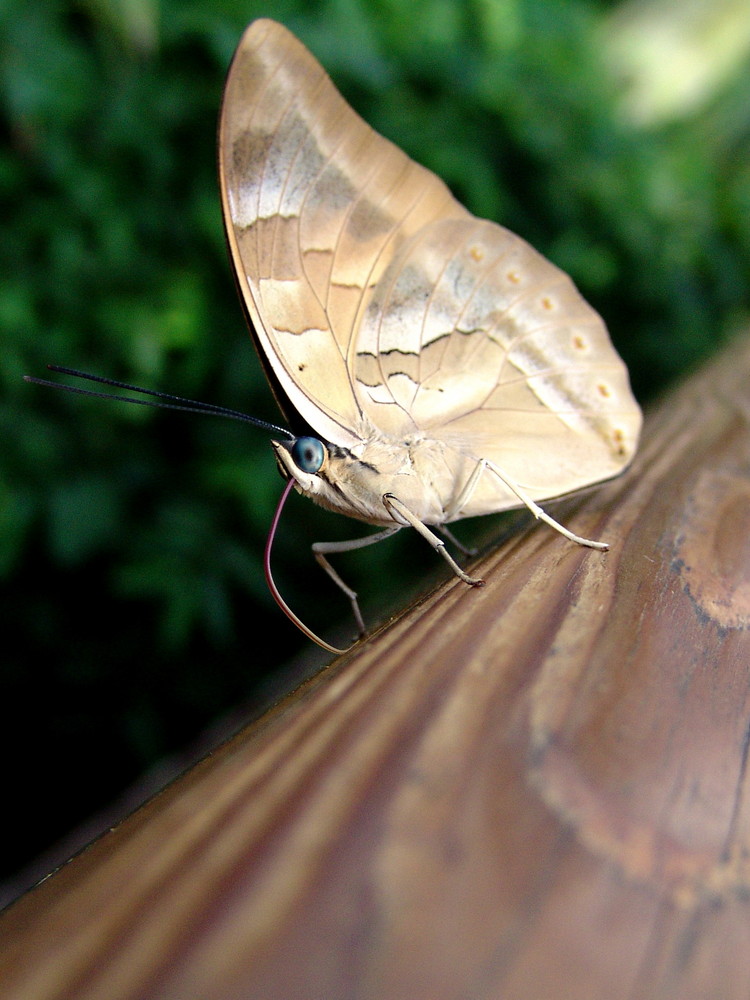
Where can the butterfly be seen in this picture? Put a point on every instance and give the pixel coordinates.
(438, 366)
(432, 365)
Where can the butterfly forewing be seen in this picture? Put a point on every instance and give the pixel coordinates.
(316, 204)
(387, 311)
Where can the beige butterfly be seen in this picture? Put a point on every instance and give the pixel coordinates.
(444, 369)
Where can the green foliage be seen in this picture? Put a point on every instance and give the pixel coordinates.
(131, 541)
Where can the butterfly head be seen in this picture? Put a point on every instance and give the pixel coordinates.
(332, 476)
(303, 459)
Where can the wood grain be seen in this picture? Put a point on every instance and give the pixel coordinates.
(535, 790)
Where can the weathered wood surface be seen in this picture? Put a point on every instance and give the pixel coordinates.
(535, 790)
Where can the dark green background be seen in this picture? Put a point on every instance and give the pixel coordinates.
(134, 611)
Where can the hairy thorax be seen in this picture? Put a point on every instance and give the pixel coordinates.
(419, 471)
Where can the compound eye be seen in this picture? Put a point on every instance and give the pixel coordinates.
(308, 454)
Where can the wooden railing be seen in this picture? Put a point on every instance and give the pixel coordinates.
(534, 790)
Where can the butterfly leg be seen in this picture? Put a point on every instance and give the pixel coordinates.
(525, 499)
(321, 549)
(399, 511)
(463, 549)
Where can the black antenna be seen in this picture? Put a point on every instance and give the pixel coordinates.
(173, 402)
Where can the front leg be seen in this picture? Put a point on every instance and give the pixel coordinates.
(321, 549)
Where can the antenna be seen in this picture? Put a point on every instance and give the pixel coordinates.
(159, 400)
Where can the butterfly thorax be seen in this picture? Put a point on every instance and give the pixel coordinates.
(353, 481)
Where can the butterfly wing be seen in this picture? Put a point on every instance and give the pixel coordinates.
(380, 302)
(316, 204)
(478, 341)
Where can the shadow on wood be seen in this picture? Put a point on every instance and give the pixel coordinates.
(534, 790)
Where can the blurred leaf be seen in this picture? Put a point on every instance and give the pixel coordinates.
(83, 517)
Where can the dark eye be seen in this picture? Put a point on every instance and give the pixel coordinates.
(308, 454)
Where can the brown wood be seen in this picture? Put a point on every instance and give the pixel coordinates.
(536, 790)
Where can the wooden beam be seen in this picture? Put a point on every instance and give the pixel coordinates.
(537, 789)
